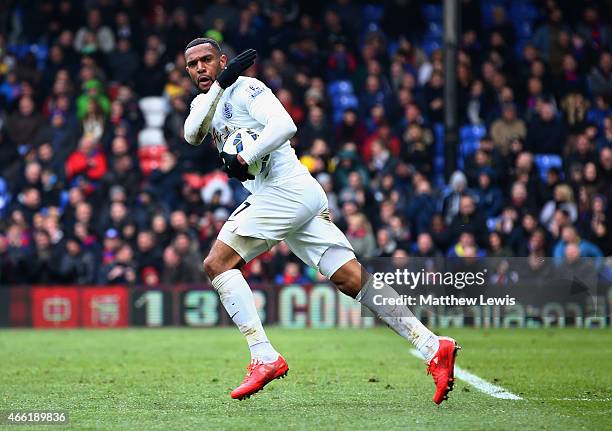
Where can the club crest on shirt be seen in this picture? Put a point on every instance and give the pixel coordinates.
(254, 91)
(227, 110)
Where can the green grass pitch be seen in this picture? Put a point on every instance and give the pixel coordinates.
(179, 379)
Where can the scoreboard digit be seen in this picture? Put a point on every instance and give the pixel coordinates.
(151, 308)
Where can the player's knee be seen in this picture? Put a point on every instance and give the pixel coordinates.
(350, 286)
(348, 279)
(213, 266)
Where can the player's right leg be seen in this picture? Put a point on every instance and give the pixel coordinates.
(222, 266)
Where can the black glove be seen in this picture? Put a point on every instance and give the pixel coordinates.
(233, 168)
(235, 67)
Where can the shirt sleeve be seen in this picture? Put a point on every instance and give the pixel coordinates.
(201, 114)
(267, 110)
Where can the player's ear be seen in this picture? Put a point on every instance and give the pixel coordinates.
(223, 61)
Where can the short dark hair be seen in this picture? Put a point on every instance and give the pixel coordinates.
(202, 40)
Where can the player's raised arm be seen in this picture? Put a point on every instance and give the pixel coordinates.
(201, 114)
(279, 127)
(211, 73)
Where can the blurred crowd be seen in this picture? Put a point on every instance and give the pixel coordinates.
(79, 206)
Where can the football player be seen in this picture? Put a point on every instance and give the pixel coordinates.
(286, 204)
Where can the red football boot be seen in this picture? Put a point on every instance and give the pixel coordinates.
(259, 374)
(442, 368)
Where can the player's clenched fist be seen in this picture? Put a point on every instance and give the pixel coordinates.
(233, 168)
(235, 67)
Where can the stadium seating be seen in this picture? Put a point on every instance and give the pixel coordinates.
(150, 157)
(469, 137)
(154, 110)
(546, 161)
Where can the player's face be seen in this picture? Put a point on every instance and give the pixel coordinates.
(203, 65)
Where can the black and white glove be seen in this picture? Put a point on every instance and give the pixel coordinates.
(235, 67)
(233, 168)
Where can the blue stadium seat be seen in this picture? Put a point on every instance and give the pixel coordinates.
(469, 147)
(344, 102)
(40, 50)
(524, 30)
(492, 224)
(472, 132)
(433, 12)
(434, 30)
(373, 13)
(430, 45)
(546, 161)
(469, 141)
(339, 88)
(486, 7)
(19, 50)
(521, 12)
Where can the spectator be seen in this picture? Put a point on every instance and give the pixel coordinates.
(563, 199)
(153, 70)
(359, 233)
(451, 199)
(148, 253)
(43, 265)
(166, 181)
(94, 36)
(465, 247)
(507, 128)
(23, 125)
(546, 133)
(351, 129)
(173, 271)
(600, 79)
(569, 236)
(122, 270)
(425, 247)
(467, 219)
(490, 198)
(77, 265)
(124, 62)
(291, 274)
(421, 207)
(496, 246)
(87, 161)
(385, 243)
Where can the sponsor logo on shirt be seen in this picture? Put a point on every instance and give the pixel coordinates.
(227, 111)
(255, 91)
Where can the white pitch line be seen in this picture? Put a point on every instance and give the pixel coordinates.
(603, 400)
(480, 384)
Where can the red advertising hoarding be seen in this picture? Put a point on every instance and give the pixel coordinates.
(104, 307)
(72, 307)
(55, 307)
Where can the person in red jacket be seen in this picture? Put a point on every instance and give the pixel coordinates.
(87, 160)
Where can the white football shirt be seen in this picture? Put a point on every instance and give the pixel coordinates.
(249, 103)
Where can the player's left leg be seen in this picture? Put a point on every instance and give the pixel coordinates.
(222, 264)
(439, 352)
(321, 244)
(254, 227)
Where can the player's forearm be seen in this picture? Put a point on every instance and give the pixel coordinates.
(200, 117)
(278, 130)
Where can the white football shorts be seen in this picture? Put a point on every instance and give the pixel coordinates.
(294, 211)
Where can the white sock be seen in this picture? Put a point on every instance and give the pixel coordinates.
(238, 300)
(400, 319)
